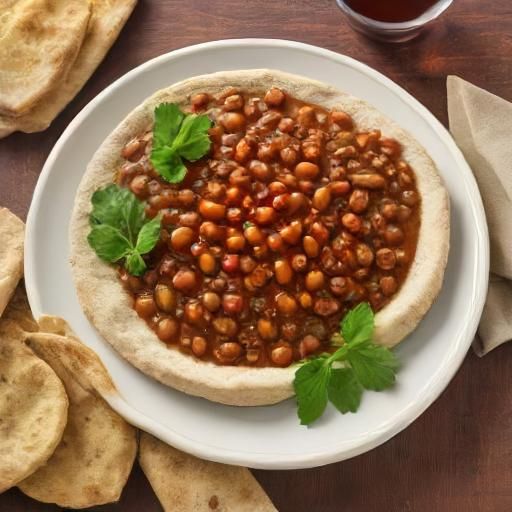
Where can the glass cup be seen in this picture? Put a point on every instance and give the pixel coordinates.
(392, 32)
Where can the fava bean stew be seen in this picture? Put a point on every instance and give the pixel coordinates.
(292, 218)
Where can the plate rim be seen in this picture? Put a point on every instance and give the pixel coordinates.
(344, 450)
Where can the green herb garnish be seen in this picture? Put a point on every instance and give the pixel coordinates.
(178, 136)
(120, 228)
(342, 376)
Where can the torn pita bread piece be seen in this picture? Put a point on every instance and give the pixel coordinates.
(39, 42)
(33, 408)
(184, 483)
(18, 311)
(107, 19)
(92, 463)
(12, 233)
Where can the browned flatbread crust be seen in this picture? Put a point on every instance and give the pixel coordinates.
(108, 306)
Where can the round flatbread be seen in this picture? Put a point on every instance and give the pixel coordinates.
(33, 408)
(109, 308)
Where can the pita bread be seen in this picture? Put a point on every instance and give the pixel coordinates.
(184, 483)
(38, 44)
(92, 463)
(98, 283)
(33, 407)
(12, 233)
(107, 19)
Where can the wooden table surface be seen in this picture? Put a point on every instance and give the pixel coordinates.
(458, 455)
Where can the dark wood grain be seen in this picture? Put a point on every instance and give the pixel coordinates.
(458, 455)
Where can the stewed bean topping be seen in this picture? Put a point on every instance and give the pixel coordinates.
(293, 218)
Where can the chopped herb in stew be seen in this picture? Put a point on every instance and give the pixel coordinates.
(291, 219)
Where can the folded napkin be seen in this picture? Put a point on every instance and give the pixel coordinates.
(481, 124)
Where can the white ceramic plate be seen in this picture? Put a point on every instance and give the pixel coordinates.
(266, 437)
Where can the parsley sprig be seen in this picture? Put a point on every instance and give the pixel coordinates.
(120, 228)
(341, 377)
(178, 136)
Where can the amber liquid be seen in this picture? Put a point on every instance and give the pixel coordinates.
(393, 11)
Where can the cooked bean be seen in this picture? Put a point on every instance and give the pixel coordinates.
(234, 196)
(308, 345)
(230, 263)
(306, 186)
(194, 312)
(339, 286)
(286, 304)
(282, 355)
(139, 186)
(305, 300)
(190, 219)
(259, 276)
(244, 150)
(216, 190)
(232, 121)
(296, 201)
(133, 150)
(247, 264)
(322, 198)
(410, 197)
(276, 188)
(388, 285)
(211, 231)
(339, 188)
(393, 235)
(252, 355)
(288, 156)
(254, 235)
(145, 305)
(326, 307)
(270, 119)
(235, 243)
(306, 171)
(404, 212)
(286, 125)
(299, 262)
(352, 222)
(260, 251)
(207, 263)
(267, 329)
(225, 325)
(228, 352)
(283, 271)
(342, 119)
(182, 238)
(364, 255)
(281, 202)
(390, 147)
(184, 280)
(274, 97)
(233, 102)
(167, 329)
(232, 303)
(275, 242)
(389, 211)
(315, 280)
(211, 211)
(319, 232)
(289, 330)
(211, 301)
(311, 246)
(186, 197)
(165, 297)
(234, 215)
(265, 215)
(291, 233)
(199, 101)
(199, 346)
(386, 259)
(358, 201)
(371, 181)
(306, 116)
(261, 171)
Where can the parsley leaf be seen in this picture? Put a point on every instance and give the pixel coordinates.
(120, 229)
(177, 135)
(311, 389)
(374, 366)
(365, 365)
(344, 390)
(358, 324)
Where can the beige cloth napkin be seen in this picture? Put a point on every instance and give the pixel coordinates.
(481, 124)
